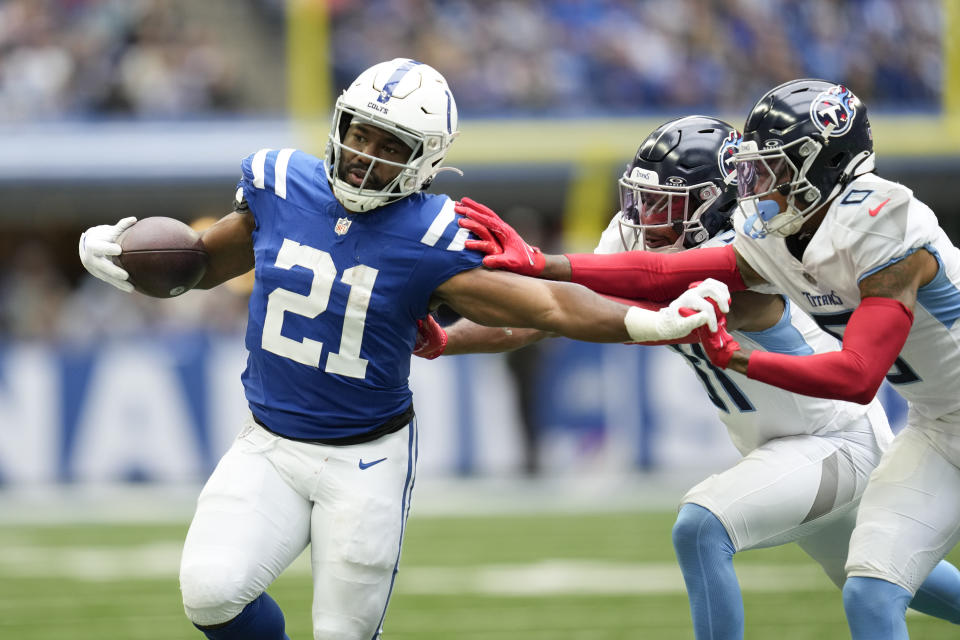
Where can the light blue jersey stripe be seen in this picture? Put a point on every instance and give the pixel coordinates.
(782, 337)
(940, 297)
(890, 262)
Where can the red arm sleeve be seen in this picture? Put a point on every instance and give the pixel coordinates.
(654, 276)
(877, 330)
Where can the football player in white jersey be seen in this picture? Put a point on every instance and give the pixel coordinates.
(806, 460)
(348, 252)
(871, 265)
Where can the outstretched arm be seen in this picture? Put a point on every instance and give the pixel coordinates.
(875, 334)
(657, 276)
(466, 336)
(502, 299)
(633, 274)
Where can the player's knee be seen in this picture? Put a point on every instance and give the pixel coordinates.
(855, 593)
(337, 626)
(697, 530)
(348, 606)
(872, 596)
(211, 595)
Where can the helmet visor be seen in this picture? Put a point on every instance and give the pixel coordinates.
(648, 205)
(760, 174)
(660, 217)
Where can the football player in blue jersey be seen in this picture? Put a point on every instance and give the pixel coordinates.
(348, 253)
(806, 460)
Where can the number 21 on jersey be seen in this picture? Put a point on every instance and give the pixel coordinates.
(345, 362)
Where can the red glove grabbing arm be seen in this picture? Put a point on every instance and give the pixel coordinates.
(654, 276)
(719, 345)
(486, 244)
(514, 254)
(431, 339)
(876, 333)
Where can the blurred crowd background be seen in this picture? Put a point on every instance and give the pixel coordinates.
(121, 58)
(593, 57)
(83, 66)
(87, 61)
(168, 58)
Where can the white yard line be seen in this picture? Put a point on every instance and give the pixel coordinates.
(548, 577)
(566, 577)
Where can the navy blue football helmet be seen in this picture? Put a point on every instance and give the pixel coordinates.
(679, 189)
(806, 139)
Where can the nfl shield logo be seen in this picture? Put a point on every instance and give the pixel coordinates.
(343, 225)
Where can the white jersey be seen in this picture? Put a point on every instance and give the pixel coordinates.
(755, 412)
(870, 225)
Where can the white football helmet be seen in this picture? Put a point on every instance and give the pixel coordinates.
(408, 99)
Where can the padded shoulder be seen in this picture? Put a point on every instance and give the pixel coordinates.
(281, 172)
(877, 222)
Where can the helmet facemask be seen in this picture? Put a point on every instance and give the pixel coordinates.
(363, 198)
(647, 207)
(761, 173)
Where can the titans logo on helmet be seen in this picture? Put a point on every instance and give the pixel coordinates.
(836, 107)
(729, 149)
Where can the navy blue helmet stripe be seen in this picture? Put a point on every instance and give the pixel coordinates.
(398, 74)
(449, 102)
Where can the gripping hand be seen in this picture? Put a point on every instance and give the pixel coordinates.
(705, 293)
(718, 344)
(97, 245)
(699, 307)
(486, 244)
(514, 254)
(684, 315)
(431, 339)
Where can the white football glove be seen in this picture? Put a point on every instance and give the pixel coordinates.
(695, 299)
(668, 324)
(97, 244)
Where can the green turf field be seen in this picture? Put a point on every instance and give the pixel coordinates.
(559, 577)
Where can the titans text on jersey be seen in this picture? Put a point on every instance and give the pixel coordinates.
(852, 243)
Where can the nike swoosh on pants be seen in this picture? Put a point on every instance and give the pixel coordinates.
(366, 465)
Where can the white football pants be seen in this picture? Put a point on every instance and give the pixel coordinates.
(802, 488)
(270, 497)
(909, 517)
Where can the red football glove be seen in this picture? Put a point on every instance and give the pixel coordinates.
(431, 339)
(719, 345)
(486, 244)
(514, 255)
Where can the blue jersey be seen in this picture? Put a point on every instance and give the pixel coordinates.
(336, 298)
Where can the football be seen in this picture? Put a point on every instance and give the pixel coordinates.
(163, 256)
